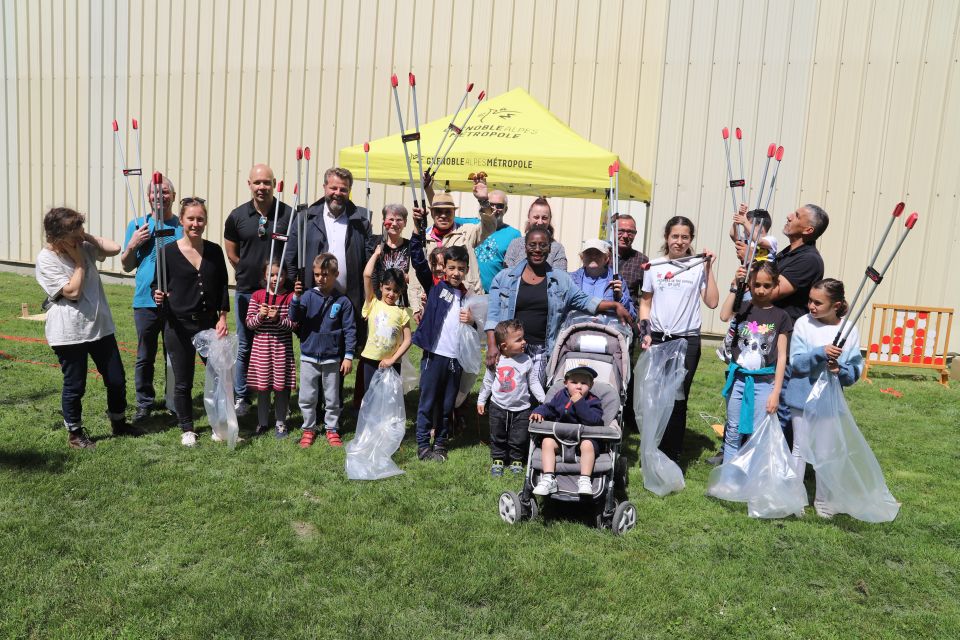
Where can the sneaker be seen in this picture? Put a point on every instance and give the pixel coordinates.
(425, 453)
(440, 454)
(280, 431)
(141, 414)
(122, 428)
(215, 437)
(261, 429)
(516, 468)
(546, 486)
(723, 355)
(715, 460)
(241, 407)
(77, 439)
(496, 469)
(188, 439)
(585, 486)
(333, 438)
(307, 439)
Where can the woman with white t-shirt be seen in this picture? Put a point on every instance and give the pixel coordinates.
(670, 310)
(79, 324)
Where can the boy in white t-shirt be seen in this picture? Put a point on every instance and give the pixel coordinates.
(509, 388)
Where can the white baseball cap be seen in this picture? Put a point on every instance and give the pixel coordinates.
(600, 245)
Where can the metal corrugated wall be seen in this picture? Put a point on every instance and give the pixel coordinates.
(864, 95)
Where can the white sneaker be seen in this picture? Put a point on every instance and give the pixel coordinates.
(546, 486)
(585, 485)
(241, 407)
(188, 439)
(215, 437)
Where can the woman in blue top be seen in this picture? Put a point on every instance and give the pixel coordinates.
(540, 297)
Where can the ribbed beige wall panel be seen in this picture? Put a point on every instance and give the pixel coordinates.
(863, 94)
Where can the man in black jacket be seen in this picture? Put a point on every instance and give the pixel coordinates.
(336, 225)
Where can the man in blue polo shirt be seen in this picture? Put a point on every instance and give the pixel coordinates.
(491, 251)
(139, 253)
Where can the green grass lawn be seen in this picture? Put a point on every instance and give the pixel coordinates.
(143, 538)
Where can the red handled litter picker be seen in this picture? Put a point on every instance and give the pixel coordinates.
(435, 164)
(874, 276)
(421, 199)
(274, 236)
(128, 171)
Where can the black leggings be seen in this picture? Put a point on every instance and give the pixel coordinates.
(672, 442)
(178, 340)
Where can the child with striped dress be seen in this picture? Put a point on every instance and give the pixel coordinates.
(272, 367)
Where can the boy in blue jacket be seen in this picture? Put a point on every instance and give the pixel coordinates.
(574, 404)
(438, 335)
(328, 338)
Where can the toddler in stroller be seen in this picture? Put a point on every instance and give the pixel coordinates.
(580, 445)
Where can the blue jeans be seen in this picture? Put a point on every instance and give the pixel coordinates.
(149, 323)
(439, 382)
(244, 342)
(732, 438)
(73, 363)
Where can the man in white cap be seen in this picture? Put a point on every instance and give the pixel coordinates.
(595, 277)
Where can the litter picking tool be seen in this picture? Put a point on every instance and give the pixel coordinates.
(773, 180)
(416, 124)
(143, 190)
(686, 266)
(160, 231)
(285, 238)
(614, 220)
(743, 191)
(674, 261)
(306, 177)
(127, 172)
(366, 179)
(273, 234)
(297, 185)
(457, 131)
(771, 151)
(873, 275)
(433, 166)
(730, 181)
(405, 138)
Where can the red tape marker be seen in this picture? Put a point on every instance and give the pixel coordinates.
(280, 186)
(413, 80)
(306, 152)
(779, 154)
(898, 210)
(912, 220)
(366, 147)
(393, 80)
(115, 127)
(134, 123)
(739, 134)
(469, 87)
(726, 133)
(772, 149)
(299, 153)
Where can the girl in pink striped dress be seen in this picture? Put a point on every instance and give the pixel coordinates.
(272, 366)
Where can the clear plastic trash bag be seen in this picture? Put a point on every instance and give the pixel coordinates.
(470, 339)
(841, 457)
(221, 355)
(409, 375)
(658, 381)
(380, 427)
(762, 475)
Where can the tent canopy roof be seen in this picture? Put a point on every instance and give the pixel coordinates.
(522, 147)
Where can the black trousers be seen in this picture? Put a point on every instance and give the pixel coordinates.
(672, 443)
(178, 339)
(509, 436)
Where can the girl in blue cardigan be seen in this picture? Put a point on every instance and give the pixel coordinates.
(811, 353)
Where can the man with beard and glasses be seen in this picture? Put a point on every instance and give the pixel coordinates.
(246, 238)
(334, 224)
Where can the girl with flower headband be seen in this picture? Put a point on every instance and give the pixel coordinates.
(758, 359)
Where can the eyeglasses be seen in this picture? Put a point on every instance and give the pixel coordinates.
(626, 232)
(262, 226)
(500, 206)
(538, 245)
(192, 200)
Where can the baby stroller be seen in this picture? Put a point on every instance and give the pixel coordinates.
(602, 344)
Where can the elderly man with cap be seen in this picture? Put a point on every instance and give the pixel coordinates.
(595, 277)
(446, 233)
(247, 239)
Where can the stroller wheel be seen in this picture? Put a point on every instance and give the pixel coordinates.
(510, 510)
(532, 511)
(624, 518)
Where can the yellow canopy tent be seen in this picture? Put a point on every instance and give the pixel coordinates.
(522, 147)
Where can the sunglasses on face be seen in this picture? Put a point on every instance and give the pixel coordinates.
(499, 206)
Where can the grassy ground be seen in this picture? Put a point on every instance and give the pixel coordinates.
(143, 538)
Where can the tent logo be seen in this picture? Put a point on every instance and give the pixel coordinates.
(502, 113)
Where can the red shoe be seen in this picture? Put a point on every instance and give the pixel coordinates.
(307, 439)
(334, 439)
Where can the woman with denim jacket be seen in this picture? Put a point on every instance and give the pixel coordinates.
(540, 297)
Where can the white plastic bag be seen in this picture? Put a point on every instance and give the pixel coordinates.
(841, 457)
(409, 374)
(762, 475)
(657, 382)
(470, 339)
(380, 427)
(221, 355)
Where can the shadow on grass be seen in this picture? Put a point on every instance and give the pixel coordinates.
(33, 461)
